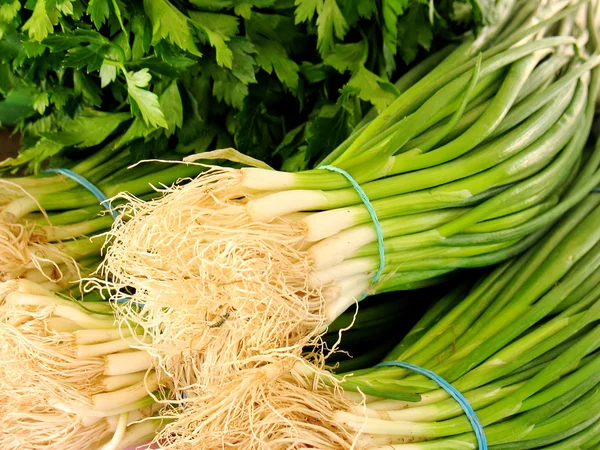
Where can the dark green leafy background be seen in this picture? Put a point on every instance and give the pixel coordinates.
(280, 80)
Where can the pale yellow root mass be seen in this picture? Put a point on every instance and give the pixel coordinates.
(22, 250)
(229, 309)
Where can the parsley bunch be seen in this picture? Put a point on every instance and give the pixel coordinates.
(277, 79)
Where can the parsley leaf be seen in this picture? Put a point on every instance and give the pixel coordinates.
(414, 31)
(90, 57)
(243, 63)
(272, 56)
(227, 87)
(219, 28)
(108, 74)
(41, 102)
(98, 10)
(372, 88)
(330, 22)
(172, 107)
(306, 9)
(345, 57)
(87, 129)
(171, 24)
(143, 101)
(42, 150)
(40, 24)
(9, 10)
(391, 10)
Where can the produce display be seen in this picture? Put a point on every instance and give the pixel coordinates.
(293, 225)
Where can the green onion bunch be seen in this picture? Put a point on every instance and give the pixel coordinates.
(51, 227)
(233, 275)
(465, 169)
(522, 346)
(71, 377)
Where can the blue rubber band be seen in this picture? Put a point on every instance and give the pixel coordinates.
(98, 194)
(365, 199)
(596, 189)
(89, 186)
(456, 395)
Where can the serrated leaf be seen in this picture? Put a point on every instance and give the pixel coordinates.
(63, 41)
(60, 96)
(228, 88)
(64, 6)
(353, 10)
(39, 25)
(33, 49)
(142, 36)
(372, 88)
(275, 27)
(120, 41)
(41, 102)
(244, 10)
(98, 10)
(90, 57)
(88, 129)
(243, 66)
(306, 10)
(330, 23)
(171, 24)
(170, 62)
(108, 74)
(141, 78)
(172, 107)
(327, 130)
(343, 57)
(9, 10)
(391, 10)
(145, 101)
(219, 28)
(78, 9)
(313, 73)
(7, 79)
(272, 56)
(414, 31)
(255, 130)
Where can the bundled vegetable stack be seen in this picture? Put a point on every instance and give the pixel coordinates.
(222, 287)
(69, 377)
(51, 226)
(522, 347)
(233, 275)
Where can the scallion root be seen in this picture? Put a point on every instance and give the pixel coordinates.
(21, 254)
(54, 393)
(273, 405)
(211, 287)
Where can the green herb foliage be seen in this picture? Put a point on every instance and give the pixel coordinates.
(277, 79)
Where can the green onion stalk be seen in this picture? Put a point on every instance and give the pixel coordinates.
(71, 377)
(51, 227)
(243, 268)
(522, 346)
(384, 319)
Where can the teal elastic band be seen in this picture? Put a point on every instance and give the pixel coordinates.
(365, 199)
(88, 185)
(97, 193)
(456, 395)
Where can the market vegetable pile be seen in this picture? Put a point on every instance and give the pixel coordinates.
(401, 252)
